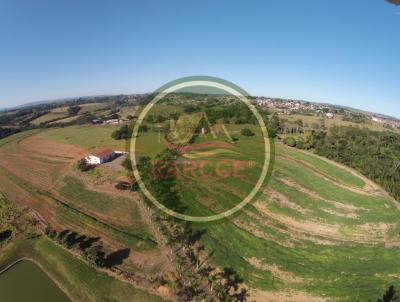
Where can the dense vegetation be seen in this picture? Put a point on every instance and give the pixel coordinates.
(375, 154)
(4, 132)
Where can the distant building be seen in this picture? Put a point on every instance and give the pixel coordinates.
(329, 115)
(378, 120)
(114, 122)
(100, 156)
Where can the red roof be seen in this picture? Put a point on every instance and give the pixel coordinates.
(102, 152)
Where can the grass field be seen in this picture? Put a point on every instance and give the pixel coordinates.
(41, 173)
(318, 229)
(313, 231)
(93, 107)
(120, 212)
(85, 136)
(126, 111)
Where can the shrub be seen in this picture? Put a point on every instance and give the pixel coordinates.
(290, 141)
(127, 164)
(121, 133)
(83, 165)
(122, 186)
(246, 132)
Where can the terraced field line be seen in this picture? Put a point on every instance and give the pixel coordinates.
(227, 133)
(357, 174)
(331, 179)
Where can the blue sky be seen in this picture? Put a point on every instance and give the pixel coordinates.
(344, 51)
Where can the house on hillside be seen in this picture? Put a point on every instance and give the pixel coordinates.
(329, 115)
(100, 156)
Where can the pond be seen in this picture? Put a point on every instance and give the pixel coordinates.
(25, 281)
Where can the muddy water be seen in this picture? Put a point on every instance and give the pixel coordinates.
(26, 282)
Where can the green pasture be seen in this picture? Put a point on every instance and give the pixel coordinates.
(85, 136)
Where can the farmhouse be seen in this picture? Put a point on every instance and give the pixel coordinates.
(100, 156)
(329, 115)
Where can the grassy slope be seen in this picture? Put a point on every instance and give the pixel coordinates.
(76, 193)
(85, 136)
(82, 281)
(340, 269)
(121, 226)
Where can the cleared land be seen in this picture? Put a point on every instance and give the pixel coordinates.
(41, 174)
(85, 136)
(318, 232)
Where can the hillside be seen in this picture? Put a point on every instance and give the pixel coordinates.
(319, 231)
(41, 175)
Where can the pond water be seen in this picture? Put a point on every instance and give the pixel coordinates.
(26, 282)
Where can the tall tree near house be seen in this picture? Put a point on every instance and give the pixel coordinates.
(274, 124)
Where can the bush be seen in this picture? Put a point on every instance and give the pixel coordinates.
(122, 186)
(246, 132)
(300, 143)
(290, 141)
(127, 164)
(135, 187)
(143, 128)
(83, 165)
(121, 133)
(73, 110)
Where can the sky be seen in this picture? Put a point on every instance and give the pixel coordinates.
(342, 52)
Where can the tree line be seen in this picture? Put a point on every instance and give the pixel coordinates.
(373, 153)
(196, 278)
(90, 248)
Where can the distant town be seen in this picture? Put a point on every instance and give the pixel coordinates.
(288, 106)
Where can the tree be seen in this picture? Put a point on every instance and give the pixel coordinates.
(51, 233)
(95, 255)
(143, 128)
(127, 164)
(5, 235)
(274, 124)
(246, 132)
(121, 133)
(290, 141)
(390, 295)
(83, 165)
(73, 110)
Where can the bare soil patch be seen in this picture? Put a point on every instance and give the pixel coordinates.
(36, 144)
(285, 276)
